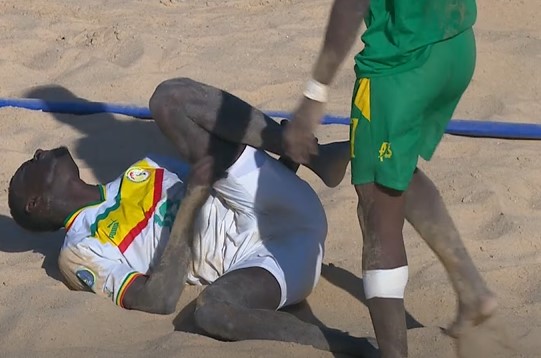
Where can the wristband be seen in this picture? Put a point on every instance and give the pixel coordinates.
(316, 91)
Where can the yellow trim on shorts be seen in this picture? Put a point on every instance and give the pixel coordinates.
(362, 98)
(353, 129)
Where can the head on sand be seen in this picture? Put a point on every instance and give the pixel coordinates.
(40, 191)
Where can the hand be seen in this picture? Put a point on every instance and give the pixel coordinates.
(299, 140)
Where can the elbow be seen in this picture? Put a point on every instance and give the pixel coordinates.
(152, 304)
(162, 305)
(160, 308)
(167, 307)
(163, 310)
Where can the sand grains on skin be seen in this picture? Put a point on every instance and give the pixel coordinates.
(262, 51)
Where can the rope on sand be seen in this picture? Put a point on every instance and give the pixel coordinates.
(460, 127)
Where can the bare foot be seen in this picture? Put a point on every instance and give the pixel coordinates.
(331, 162)
(473, 315)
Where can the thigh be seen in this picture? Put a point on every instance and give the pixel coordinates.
(397, 118)
(386, 130)
(250, 287)
(294, 260)
(436, 119)
(192, 142)
(270, 195)
(203, 143)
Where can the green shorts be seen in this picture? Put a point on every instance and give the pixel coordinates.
(397, 118)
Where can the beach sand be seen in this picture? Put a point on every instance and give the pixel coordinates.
(262, 51)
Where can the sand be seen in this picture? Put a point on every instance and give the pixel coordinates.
(262, 51)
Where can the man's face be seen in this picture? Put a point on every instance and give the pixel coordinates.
(44, 177)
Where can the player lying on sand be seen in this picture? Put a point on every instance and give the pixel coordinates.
(241, 221)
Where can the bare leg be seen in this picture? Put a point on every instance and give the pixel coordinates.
(191, 141)
(427, 213)
(381, 216)
(241, 305)
(233, 120)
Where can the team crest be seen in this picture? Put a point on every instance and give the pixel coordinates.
(137, 175)
(87, 277)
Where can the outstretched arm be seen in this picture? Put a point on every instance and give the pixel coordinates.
(342, 29)
(160, 291)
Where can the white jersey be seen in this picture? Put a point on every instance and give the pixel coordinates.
(111, 242)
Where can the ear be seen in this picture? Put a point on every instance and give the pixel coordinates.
(32, 204)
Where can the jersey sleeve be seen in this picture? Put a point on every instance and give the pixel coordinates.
(92, 266)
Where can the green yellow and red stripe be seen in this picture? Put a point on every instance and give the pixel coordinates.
(124, 287)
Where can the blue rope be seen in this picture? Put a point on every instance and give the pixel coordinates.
(461, 127)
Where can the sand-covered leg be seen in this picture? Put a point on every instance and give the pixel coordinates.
(384, 263)
(231, 119)
(241, 305)
(427, 213)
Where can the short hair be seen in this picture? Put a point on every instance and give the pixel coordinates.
(17, 208)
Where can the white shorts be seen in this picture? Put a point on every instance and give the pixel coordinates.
(283, 218)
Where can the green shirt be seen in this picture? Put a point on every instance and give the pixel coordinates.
(399, 32)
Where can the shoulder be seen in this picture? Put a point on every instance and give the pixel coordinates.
(72, 266)
(86, 263)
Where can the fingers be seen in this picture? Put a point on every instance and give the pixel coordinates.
(299, 144)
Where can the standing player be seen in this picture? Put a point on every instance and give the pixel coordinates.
(417, 61)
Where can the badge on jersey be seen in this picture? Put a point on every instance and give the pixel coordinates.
(137, 175)
(87, 277)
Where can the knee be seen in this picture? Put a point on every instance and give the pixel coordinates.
(211, 316)
(203, 314)
(176, 91)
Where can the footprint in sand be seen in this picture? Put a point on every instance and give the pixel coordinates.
(46, 59)
(494, 223)
(121, 47)
(125, 47)
(171, 2)
(489, 339)
(478, 197)
(499, 225)
(128, 52)
(263, 3)
(488, 107)
(535, 202)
